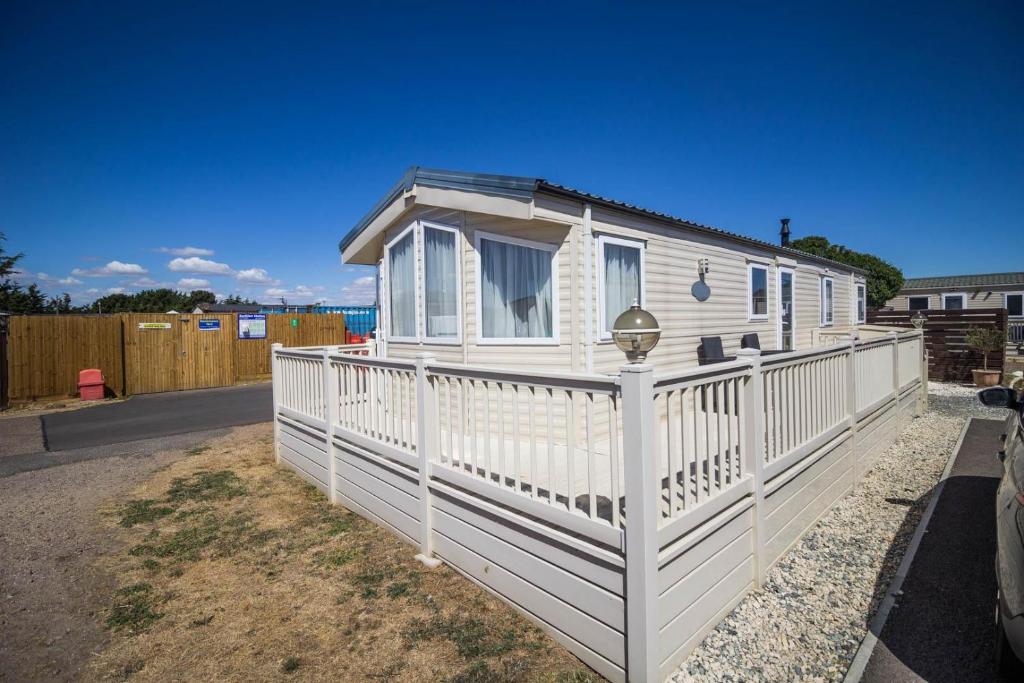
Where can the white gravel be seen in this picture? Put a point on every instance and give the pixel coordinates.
(808, 620)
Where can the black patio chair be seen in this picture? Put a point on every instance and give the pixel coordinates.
(710, 351)
(752, 341)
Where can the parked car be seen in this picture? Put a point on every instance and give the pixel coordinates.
(1010, 534)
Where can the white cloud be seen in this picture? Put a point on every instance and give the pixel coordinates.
(193, 283)
(361, 291)
(69, 280)
(112, 268)
(256, 276)
(116, 290)
(186, 251)
(298, 291)
(194, 264)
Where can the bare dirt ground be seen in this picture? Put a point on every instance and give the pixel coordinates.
(51, 536)
(216, 564)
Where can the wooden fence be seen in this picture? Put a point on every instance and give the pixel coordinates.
(143, 353)
(949, 357)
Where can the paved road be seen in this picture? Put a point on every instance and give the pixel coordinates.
(137, 427)
(155, 415)
(943, 625)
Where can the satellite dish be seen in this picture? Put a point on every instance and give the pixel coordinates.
(700, 290)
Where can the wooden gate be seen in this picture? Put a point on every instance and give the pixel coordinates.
(152, 351)
(207, 357)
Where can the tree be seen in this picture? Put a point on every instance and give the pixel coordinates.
(985, 340)
(236, 299)
(7, 261)
(884, 279)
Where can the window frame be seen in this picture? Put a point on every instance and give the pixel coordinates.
(1006, 296)
(552, 249)
(423, 226)
(822, 320)
(411, 228)
(927, 302)
(751, 266)
(860, 292)
(950, 295)
(604, 330)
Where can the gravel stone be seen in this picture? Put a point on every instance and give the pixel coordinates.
(808, 620)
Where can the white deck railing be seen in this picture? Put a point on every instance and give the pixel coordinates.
(630, 471)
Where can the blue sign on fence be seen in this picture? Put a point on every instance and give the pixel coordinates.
(252, 326)
(209, 324)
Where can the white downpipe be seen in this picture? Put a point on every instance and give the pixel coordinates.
(588, 290)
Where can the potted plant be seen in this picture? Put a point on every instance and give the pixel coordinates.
(986, 340)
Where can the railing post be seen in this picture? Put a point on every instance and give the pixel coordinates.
(851, 407)
(754, 449)
(896, 376)
(642, 489)
(922, 396)
(426, 424)
(275, 382)
(331, 395)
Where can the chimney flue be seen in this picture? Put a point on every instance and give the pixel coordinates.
(784, 232)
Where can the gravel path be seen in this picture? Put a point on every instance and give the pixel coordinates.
(807, 622)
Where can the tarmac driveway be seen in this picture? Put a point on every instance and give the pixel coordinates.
(941, 628)
(134, 427)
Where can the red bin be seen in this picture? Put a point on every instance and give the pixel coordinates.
(90, 384)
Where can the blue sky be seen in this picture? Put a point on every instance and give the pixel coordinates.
(234, 145)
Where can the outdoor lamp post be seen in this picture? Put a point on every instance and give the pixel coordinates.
(636, 333)
(918, 319)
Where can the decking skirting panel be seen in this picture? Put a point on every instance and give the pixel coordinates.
(297, 449)
(588, 619)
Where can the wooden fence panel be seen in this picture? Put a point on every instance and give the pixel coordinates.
(252, 356)
(152, 347)
(949, 357)
(45, 354)
(208, 350)
(144, 353)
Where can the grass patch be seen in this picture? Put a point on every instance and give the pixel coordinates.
(141, 511)
(206, 486)
(197, 450)
(473, 638)
(134, 608)
(225, 532)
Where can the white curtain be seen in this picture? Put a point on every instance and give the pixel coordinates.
(441, 283)
(402, 283)
(516, 291)
(621, 280)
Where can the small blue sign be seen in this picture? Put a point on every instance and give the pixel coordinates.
(209, 324)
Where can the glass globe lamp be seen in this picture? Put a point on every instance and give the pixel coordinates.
(636, 333)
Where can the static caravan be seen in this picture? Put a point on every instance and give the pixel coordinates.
(520, 272)
(495, 427)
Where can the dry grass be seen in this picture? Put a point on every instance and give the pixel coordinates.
(236, 569)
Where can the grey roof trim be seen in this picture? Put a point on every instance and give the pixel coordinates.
(525, 187)
(977, 280)
(561, 190)
(502, 185)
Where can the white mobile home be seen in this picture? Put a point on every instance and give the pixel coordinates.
(519, 272)
(495, 427)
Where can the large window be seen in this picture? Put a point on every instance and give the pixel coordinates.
(862, 303)
(440, 282)
(918, 303)
(620, 278)
(402, 286)
(828, 300)
(517, 302)
(1015, 305)
(954, 302)
(423, 284)
(757, 292)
